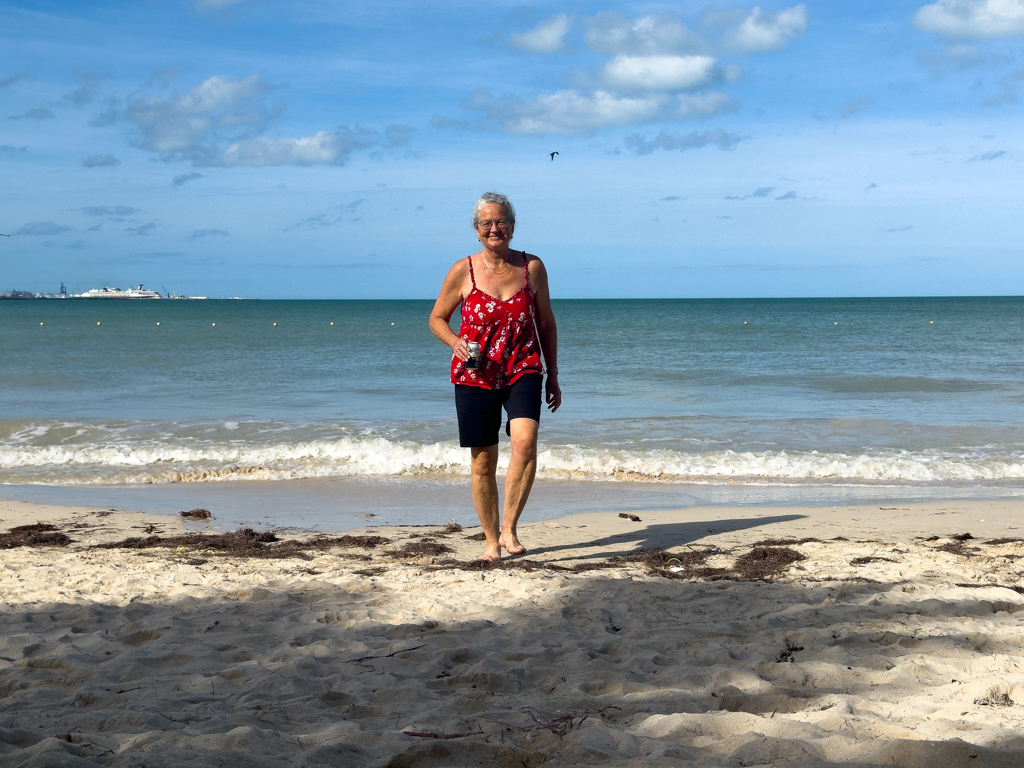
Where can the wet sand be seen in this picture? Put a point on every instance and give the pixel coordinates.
(753, 636)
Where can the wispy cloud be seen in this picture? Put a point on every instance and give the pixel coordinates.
(43, 229)
(184, 178)
(113, 212)
(203, 5)
(791, 195)
(164, 77)
(1009, 86)
(8, 148)
(201, 233)
(100, 161)
(39, 113)
(9, 80)
(852, 107)
(759, 192)
(142, 229)
(972, 18)
(546, 37)
(87, 90)
(906, 228)
(440, 121)
(329, 218)
(985, 157)
(718, 138)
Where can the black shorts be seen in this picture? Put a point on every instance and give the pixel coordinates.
(479, 409)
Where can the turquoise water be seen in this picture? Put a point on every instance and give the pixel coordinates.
(893, 393)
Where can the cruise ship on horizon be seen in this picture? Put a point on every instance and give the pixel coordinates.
(106, 292)
(117, 293)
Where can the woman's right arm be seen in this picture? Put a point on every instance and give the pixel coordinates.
(450, 297)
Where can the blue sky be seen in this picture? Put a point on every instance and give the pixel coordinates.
(325, 149)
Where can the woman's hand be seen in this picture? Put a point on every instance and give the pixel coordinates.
(552, 392)
(461, 348)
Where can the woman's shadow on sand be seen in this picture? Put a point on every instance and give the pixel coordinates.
(660, 536)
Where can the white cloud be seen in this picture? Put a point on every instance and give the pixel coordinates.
(654, 35)
(546, 37)
(972, 18)
(189, 126)
(567, 112)
(766, 31)
(322, 148)
(220, 122)
(657, 73)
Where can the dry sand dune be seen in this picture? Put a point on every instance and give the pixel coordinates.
(881, 650)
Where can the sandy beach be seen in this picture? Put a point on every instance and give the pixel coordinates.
(752, 636)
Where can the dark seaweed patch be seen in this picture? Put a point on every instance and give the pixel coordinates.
(1000, 700)
(871, 559)
(246, 542)
(197, 514)
(1018, 590)
(421, 548)
(764, 563)
(35, 535)
(785, 542)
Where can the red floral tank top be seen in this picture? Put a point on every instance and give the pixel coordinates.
(506, 333)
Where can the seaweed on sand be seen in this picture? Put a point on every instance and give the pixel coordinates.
(421, 548)
(789, 542)
(35, 535)
(764, 563)
(246, 542)
(677, 565)
(871, 559)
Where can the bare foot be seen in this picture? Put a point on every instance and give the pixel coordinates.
(493, 553)
(510, 542)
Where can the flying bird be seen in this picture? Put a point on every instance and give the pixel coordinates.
(553, 156)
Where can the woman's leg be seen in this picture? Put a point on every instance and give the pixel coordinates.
(522, 469)
(485, 496)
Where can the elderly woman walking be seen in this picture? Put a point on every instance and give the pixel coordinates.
(506, 326)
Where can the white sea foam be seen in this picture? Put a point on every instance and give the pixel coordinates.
(156, 461)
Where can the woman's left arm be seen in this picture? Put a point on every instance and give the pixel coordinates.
(548, 332)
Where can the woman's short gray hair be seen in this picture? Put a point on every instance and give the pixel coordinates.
(488, 198)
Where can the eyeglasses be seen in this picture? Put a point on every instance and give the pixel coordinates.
(489, 223)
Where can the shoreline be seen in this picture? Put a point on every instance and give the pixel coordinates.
(883, 637)
(348, 504)
(591, 532)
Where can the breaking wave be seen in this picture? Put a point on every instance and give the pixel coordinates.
(153, 460)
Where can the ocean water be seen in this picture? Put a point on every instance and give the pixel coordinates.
(810, 398)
